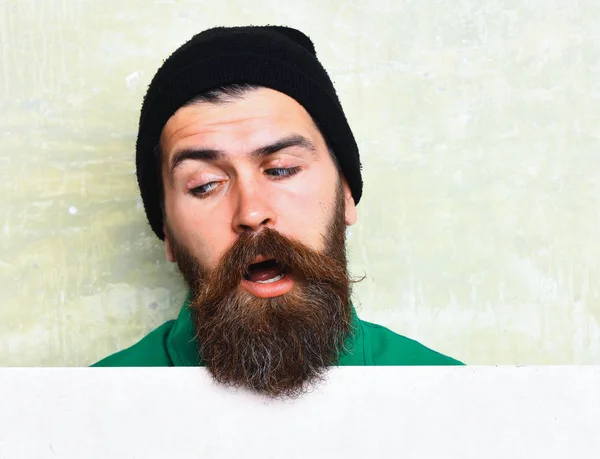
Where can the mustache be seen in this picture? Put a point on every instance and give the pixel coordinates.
(307, 264)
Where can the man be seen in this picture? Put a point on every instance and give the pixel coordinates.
(250, 174)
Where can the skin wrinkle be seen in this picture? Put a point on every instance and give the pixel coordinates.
(219, 98)
(214, 155)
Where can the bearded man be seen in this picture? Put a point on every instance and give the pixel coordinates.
(250, 174)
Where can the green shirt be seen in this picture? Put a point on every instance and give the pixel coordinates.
(173, 344)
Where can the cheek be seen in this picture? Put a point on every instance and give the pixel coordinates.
(204, 236)
(304, 215)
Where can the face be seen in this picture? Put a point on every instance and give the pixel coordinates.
(260, 162)
(255, 216)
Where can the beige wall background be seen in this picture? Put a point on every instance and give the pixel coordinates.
(479, 129)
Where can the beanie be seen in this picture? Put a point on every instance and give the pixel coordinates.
(280, 58)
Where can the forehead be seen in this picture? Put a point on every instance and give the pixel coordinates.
(256, 117)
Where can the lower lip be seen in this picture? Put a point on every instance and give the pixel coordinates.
(277, 288)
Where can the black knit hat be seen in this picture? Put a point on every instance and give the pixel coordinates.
(279, 58)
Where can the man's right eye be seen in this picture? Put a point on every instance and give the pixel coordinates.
(203, 190)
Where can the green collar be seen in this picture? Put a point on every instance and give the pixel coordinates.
(183, 350)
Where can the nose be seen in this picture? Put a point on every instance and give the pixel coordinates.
(253, 210)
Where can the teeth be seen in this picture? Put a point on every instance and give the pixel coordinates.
(273, 279)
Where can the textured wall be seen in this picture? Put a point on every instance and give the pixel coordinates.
(479, 129)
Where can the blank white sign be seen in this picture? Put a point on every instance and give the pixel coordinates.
(360, 412)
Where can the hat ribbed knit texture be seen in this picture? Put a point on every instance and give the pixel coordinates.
(279, 58)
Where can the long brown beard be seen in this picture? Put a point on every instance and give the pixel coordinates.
(274, 346)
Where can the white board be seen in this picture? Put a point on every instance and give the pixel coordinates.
(376, 412)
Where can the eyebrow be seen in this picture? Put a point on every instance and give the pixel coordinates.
(211, 154)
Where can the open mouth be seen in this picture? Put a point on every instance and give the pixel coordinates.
(266, 272)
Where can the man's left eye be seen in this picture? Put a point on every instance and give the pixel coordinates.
(280, 172)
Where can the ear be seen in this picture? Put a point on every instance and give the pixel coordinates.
(351, 213)
(168, 249)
